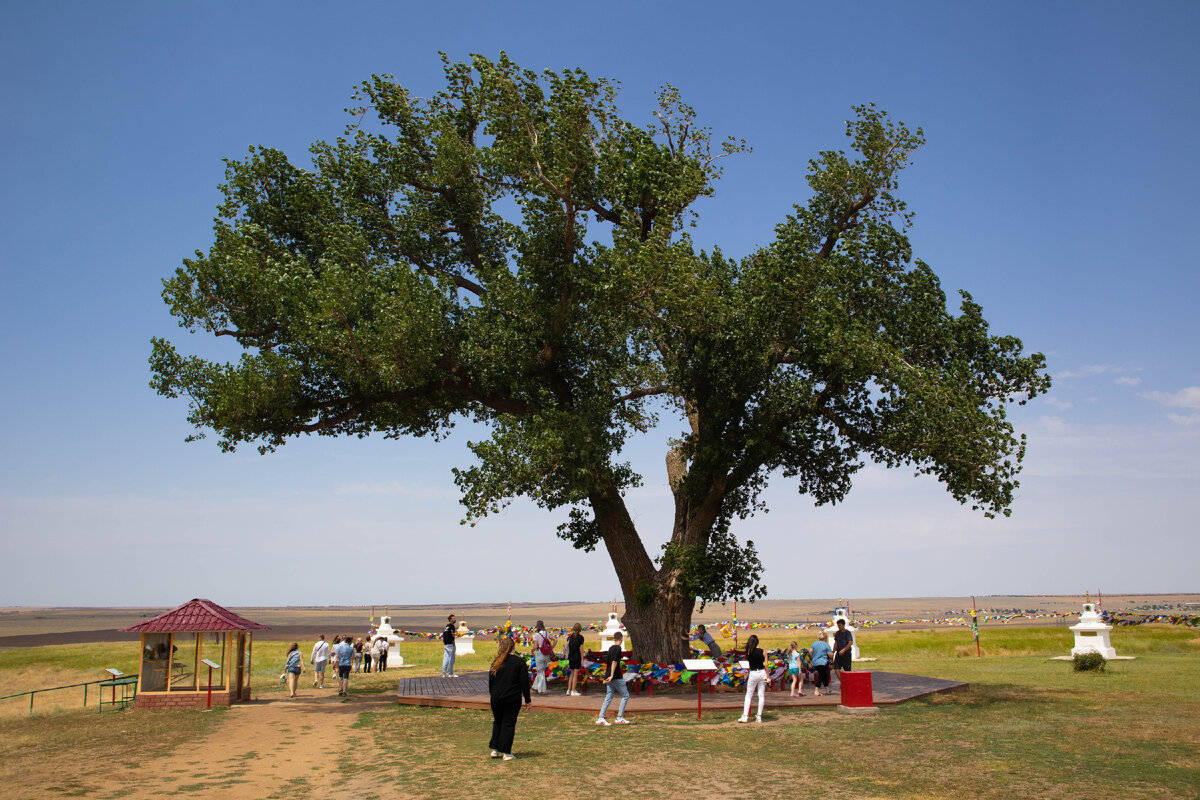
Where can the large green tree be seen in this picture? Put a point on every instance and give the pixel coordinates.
(435, 264)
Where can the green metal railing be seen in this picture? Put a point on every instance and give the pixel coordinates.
(125, 682)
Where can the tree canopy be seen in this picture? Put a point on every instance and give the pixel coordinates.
(514, 252)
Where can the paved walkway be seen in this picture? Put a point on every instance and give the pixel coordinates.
(470, 691)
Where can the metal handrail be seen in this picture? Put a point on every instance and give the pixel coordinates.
(85, 684)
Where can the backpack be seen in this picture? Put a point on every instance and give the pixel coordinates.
(544, 648)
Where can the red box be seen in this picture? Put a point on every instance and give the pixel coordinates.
(856, 690)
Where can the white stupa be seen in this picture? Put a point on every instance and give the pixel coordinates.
(386, 631)
(611, 627)
(1091, 634)
(464, 641)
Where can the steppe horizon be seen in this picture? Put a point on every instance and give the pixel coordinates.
(19, 624)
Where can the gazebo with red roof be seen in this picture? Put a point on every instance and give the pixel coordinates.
(174, 646)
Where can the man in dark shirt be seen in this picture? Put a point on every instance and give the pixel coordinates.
(449, 647)
(843, 642)
(614, 682)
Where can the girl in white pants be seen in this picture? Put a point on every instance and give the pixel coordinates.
(756, 680)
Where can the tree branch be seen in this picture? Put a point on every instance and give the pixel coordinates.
(843, 223)
(647, 391)
(463, 283)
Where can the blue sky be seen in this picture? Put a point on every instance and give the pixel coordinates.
(1054, 187)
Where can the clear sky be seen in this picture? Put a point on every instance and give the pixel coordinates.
(1054, 187)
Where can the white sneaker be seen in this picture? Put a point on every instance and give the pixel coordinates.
(743, 719)
(758, 718)
(623, 721)
(509, 757)
(603, 721)
(494, 754)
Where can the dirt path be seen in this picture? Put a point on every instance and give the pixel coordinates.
(270, 748)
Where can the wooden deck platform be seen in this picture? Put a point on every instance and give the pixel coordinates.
(470, 691)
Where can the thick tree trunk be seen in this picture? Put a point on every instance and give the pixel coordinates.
(657, 627)
(657, 614)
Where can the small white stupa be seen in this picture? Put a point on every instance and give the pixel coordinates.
(612, 626)
(1091, 633)
(386, 631)
(843, 613)
(464, 640)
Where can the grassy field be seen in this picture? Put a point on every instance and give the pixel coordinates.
(1027, 727)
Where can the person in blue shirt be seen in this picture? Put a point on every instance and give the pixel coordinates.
(820, 662)
(343, 651)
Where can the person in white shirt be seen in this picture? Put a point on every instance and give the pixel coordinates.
(542, 642)
(377, 651)
(320, 660)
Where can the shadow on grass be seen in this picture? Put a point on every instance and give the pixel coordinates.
(524, 755)
(1001, 694)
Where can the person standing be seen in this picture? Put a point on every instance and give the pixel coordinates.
(703, 635)
(843, 644)
(508, 681)
(448, 648)
(793, 657)
(344, 653)
(384, 647)
(757, 679)
(574, 659)
(820, 662)
(614, 682)
(320, 659)
(376, 650)
(543, 651)
(358, 655)
(292, 667)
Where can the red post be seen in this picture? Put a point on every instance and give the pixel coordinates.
(856, 691)
(209, 706)
(699, 693)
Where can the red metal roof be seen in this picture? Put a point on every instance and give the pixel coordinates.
(197, 616)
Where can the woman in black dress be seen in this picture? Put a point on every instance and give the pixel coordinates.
(574, 659)
(508, 681)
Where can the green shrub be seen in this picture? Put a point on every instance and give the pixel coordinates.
(1089, 662)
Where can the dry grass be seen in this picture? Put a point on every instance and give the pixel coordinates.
(36, 668)
(1028, 727)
